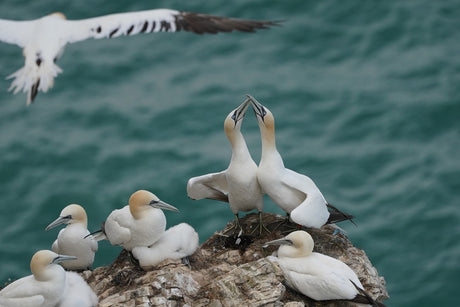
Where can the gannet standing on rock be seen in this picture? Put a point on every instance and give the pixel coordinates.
(238, 184)
(141, 223)
(73, 240)
(177, 242)
(296, 194)
(43, 40)
(315, 275)
(44, 288)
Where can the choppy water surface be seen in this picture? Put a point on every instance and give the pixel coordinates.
(366, 99)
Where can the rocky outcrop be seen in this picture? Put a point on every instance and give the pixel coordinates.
(227, 271)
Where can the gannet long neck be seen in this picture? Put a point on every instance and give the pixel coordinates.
(232, 128)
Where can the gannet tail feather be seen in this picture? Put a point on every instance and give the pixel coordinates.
(365, 298)
(335, 215)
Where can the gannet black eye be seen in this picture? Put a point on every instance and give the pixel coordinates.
(153, 202)
(67, 217)
(38, 61)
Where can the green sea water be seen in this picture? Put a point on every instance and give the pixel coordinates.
(366, 96)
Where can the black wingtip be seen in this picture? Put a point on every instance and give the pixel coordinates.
(335, 216)
(34, 91)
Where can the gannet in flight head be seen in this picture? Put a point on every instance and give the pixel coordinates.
(238, 184)
(73, 240)
(315, 275)
(296, 194)
(141, 223)
(43, 40)
(177, 242)
(44, 288)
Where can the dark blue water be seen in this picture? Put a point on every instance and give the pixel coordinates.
(366, 99)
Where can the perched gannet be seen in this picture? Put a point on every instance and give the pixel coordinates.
(77, 292)
(44, 288)
(141, 223)
(43, 40)
(73, 240)
(177, 242)
(238, 184)
(315, 275)
(296, 194)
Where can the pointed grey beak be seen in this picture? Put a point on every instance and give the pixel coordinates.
(162, 205)
(61, 258)
(282, 241)
(258, 108)
(59, 221)
(239, 112)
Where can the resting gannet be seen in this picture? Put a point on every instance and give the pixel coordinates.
(238, 184)
(77, 292)
(73, 240)
(141, 223)
(315, 275)
(296, 194)
(43, 40)
(43, 288)
(177, 242)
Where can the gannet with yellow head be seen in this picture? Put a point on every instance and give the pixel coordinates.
(141, 223)
(238, 184)
(295, 193)
(315, 275)
(43, 40)
(44, 288)
(74, 240)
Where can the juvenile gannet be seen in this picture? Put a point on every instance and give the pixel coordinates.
(296, 194)
(238, 184)
(141, 223)
(77, 292)
(43, 40)
(43, 288)
(177, 242)
(73, 240)
(315, 275)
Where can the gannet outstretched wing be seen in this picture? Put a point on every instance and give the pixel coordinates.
(212, 186)
(43, 40)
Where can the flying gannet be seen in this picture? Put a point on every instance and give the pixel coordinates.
(44, 288)
(315, 275)
(43, 40)
(141, 223)
(177, 242)
(73, 240)
(295, 193)
(238, 184)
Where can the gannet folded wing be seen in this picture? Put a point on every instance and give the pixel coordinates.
(118, 226)
(213, 186)
(31, 301)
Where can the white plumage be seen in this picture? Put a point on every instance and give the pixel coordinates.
(43, 40)
(44, 288)
(238, 184)
(73, 240)
(77, 292)
(141, 223)
(176, 243)
(315, 275)
(295, 193)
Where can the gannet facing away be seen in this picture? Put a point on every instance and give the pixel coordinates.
(77, 292)
(43, 288)
(43, 40)
(315, 275)
(141, 223)
(73, 240)
(177, 242)
(296, 194)
(238, 184)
